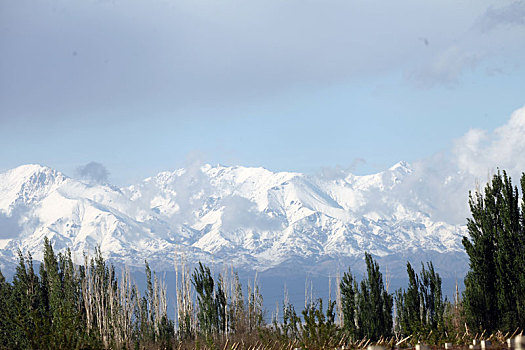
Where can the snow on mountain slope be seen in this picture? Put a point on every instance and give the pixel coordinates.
(248, 217)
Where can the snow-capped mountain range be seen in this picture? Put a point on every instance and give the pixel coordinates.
(250, 218)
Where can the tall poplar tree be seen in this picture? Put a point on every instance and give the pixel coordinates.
(367, 309)
(494, 296)
(6, 307)
(379, 304)
(421, 308)
(204, 284)
(408, 305)
(349, 289)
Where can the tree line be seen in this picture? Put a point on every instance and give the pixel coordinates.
(69, 306)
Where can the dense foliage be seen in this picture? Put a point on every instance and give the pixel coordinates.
(367, 309)
(494, 295)
(420, 309)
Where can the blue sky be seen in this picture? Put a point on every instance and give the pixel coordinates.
(288, 85)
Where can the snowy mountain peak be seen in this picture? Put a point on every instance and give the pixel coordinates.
(402, 167)
(25, 172)
(27, 183)
(252, 217)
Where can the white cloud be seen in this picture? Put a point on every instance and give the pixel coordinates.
(445, 179)
(12, 223)
(240, 212)
(192, 189)
(479, 152)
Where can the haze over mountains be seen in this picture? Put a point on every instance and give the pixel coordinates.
(249, 218)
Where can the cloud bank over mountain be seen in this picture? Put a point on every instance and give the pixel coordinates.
(480, 151)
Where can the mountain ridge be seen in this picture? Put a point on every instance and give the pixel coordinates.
(251, 218)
